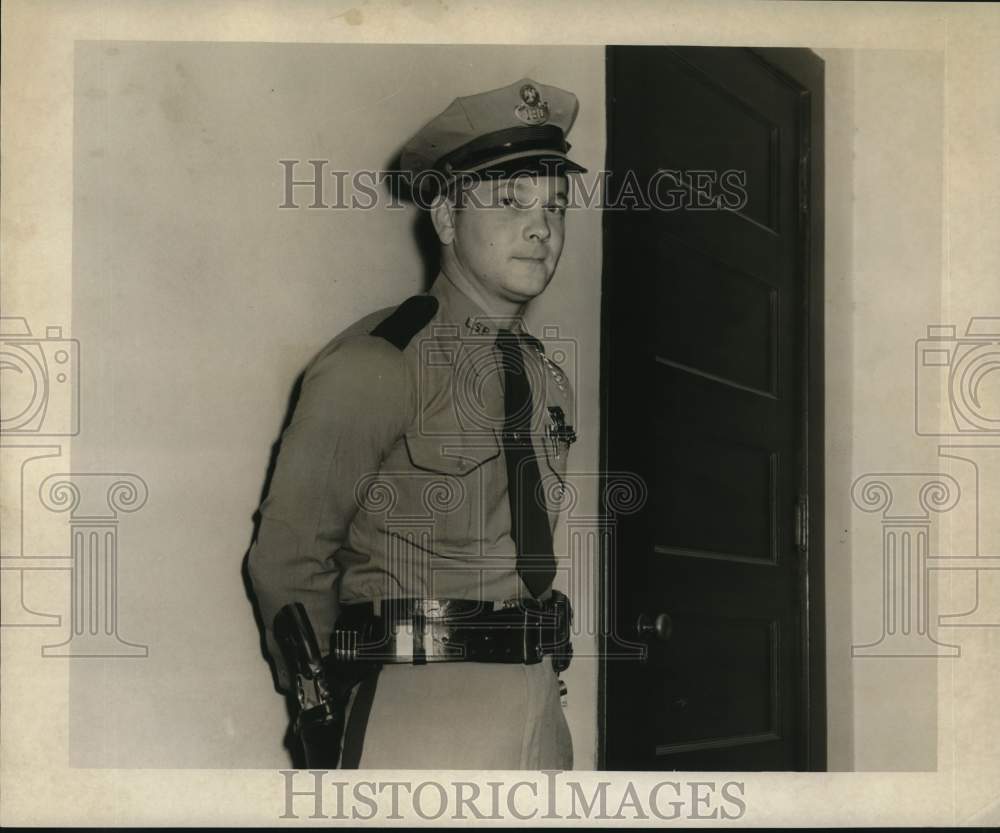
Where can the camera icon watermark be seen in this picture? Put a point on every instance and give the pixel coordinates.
(957, 380)
(39, 381)
(460, 384)
(956, 395)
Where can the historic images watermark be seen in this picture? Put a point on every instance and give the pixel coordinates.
(956, 396)
(314, 794)
(40, 379)
(321, 186)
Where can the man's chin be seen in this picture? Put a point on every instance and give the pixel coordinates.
(530, 277)
(524, 288)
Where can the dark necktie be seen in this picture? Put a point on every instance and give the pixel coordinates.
(529, 520)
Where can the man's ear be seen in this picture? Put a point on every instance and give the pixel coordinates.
(443, 218)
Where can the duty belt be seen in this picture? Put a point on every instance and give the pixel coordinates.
(420, 631)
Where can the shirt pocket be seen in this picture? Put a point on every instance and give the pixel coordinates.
(456, 477)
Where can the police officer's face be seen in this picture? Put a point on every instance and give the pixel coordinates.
(508, 235)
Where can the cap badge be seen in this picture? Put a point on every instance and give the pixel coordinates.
(532, 110)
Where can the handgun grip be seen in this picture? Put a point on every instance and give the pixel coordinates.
(297, 640)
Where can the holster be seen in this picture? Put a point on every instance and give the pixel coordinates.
(561, 639)
(322, 696)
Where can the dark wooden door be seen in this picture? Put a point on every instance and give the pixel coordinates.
(713, 395)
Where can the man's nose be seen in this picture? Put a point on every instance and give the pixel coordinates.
(537, 225)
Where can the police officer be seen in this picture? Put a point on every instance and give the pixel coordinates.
(421, 472)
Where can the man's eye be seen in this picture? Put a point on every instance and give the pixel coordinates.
(557, 209)
(506, 202)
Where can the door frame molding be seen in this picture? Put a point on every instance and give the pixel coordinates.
(803, 69)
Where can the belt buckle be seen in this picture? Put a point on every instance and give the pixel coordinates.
(431, 627)
(428, 608)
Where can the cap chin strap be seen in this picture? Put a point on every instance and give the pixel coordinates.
(545, 139)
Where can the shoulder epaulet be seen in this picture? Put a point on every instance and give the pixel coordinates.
(406, 320)
(534, 342)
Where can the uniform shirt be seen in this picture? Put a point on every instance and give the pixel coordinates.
(391, 479)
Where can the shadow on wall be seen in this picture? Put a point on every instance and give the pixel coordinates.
(426, 242)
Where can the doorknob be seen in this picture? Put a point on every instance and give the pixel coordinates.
(660, 626)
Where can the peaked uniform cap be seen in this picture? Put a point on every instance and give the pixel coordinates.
(520, 127)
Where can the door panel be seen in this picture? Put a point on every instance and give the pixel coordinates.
(706, 389)
(747, 652)
(727, 326)
(737, 481)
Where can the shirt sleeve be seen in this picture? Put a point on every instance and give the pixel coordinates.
(356, 400)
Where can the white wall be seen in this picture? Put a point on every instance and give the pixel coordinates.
(197, 302)
(884, 179)
(839, 248)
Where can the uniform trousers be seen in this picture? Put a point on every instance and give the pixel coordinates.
(459, 715)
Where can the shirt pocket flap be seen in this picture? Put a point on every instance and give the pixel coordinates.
(449, 454)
